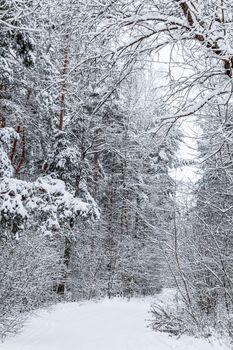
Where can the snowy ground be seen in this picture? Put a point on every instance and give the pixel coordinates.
(108, 325)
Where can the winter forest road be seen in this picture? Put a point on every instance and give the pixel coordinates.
(107, 325)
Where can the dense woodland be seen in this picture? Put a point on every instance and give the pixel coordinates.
(89, 139)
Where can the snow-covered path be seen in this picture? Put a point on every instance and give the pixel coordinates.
(107, 325)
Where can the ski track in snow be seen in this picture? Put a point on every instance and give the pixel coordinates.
(106, 325)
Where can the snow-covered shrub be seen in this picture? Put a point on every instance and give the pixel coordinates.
(179, 316)
(29, 268)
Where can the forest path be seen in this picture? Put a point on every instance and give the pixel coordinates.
(108, 325)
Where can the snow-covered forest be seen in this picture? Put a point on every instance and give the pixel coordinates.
(97, 99)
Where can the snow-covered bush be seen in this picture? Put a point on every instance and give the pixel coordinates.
(179, 316)
(29, 269)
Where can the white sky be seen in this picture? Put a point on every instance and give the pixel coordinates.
(188, 149)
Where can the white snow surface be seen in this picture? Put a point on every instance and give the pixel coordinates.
(106, 325)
